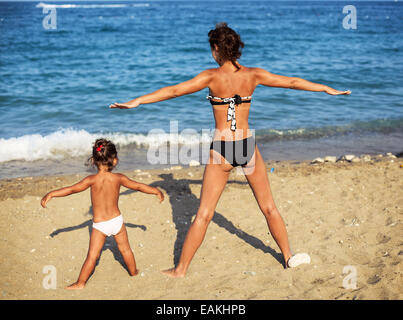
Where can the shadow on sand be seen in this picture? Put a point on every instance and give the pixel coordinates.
(185, 205)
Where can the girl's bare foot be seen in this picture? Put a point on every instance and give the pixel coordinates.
(173, 273)
(75, 286)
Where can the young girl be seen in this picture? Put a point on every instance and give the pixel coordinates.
(107, 219)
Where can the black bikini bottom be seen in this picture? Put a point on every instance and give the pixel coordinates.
(237, 152)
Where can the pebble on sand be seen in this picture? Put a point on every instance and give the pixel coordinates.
(347, 157)
(330, 159)
(141, 173)
(391, 155)
(317, 160)
(194, 163)
(350, 158)
(365, 157)
(176, 167)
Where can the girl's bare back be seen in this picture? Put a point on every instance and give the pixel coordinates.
(105, 189)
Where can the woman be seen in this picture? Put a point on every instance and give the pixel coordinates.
(233, 144)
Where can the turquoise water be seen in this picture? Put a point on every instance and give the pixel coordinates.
(56, 84)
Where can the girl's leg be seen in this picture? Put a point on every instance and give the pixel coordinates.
(258, 180)
(97, 241)
(122, 242)
(214, 180)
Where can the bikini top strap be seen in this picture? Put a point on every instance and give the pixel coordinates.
(236, 99)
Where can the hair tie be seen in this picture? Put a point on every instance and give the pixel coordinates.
(99, 148)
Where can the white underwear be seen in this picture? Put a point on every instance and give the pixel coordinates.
(109, 227)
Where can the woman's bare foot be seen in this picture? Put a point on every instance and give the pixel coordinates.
(75, 286)
(173, 273)
(135, 273)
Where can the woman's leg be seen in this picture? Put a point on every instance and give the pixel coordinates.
(97, 241)
(122, 242)
(258, 180)
(214, 180)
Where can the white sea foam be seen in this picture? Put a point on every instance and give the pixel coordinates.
(67, 143)
(89, 6)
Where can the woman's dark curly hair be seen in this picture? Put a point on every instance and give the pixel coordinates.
(103, 153)
(228, 42)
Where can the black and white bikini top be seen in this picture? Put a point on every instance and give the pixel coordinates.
(235, 100)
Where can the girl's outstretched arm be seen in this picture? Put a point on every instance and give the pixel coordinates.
(134, 185)
(198, 83)
(78, 187)
(269, 79)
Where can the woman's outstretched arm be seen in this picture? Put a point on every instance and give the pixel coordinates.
(198, 83)
(266, 78)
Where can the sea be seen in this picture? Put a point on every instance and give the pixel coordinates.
(62, 63)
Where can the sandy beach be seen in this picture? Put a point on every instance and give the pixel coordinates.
(342, 214)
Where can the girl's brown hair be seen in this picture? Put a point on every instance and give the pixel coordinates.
(228, 42)
(103, 153)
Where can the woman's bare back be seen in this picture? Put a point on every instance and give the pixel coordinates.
(226, 83)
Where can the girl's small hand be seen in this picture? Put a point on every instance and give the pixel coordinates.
(160, 195)
(45, 200)
(127, 105)
(335, 92)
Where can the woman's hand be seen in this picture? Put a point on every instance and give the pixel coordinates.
(160, 195)
(45, 199)
(201, 81)
(335, 92)
(128, 105)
